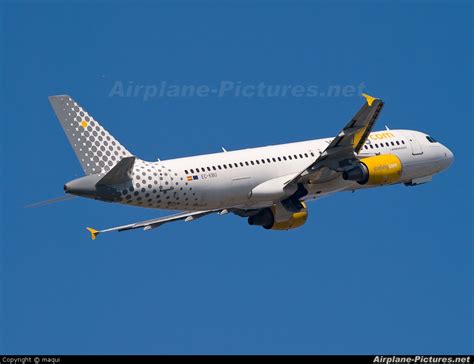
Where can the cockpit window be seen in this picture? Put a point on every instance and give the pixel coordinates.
(430, 139)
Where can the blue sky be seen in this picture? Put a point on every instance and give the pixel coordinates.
(381, 271)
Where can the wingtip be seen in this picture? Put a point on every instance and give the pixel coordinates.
(93, 232)
(370, 99)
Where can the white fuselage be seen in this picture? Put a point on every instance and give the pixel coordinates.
(226, 180)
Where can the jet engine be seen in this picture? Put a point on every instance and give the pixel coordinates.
(377, 170)
(267, 218)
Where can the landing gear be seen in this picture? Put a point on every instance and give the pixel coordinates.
(293, 203)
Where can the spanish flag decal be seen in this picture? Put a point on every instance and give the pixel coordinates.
(190, 178)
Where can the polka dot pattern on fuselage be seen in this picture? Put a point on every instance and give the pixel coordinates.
(151, 184)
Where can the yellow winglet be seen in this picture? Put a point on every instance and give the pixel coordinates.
(93, 232)
(369, 99)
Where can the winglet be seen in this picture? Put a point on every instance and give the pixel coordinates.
(93, 232)
(369, 99)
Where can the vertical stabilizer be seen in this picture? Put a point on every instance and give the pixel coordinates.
(96, 149)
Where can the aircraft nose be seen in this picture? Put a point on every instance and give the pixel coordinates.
(448, 155)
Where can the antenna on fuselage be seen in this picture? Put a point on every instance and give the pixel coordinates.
(223, 149)
(386, 127)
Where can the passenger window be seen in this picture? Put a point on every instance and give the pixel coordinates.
(398, 143)
(257, 161)
(186, 171)
(403, 142)
(295, 156)
(209, 169)
(284, 158)
(246, 163)
(279, 159)
(306, 155)
(301, 156)
(241, 164)
(252, 163)
(376, 145)
(219, 166)
(230, 165)
(371, 146)
(392, 143)
(192, 170)
(289, 157)
(274, 159)
(268, 160)
(214, 167)
(312, 154)
(263, 161)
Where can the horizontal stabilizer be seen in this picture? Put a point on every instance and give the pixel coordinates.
(120, 173)
(50, 201)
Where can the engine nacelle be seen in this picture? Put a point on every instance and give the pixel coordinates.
(266, 219)
(378, 170)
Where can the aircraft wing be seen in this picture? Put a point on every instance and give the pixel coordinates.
(340, 153)
(154, 223)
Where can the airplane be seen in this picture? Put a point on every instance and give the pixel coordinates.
(267, 185)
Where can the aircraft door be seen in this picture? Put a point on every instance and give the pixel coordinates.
(165, 179)
(415, 145)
